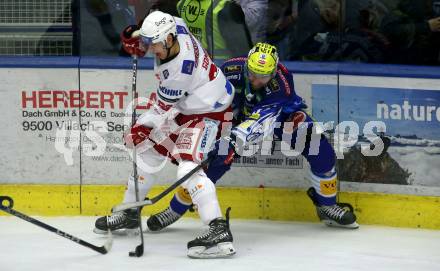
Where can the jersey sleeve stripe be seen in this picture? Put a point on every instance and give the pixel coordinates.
(286, 83)
(235, 59)
(168, 100)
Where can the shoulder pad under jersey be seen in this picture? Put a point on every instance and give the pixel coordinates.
(233, 69)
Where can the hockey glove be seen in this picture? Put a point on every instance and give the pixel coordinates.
(136, 135)
(130, 41)
(226, 148)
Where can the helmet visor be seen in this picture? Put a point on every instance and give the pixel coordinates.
(258, 80)
(258, 75)
(146, 40)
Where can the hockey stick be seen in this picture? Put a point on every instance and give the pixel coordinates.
(8, 209)
(139, 251)
(129, 205)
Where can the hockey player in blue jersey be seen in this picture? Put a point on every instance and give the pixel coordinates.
(265, 95)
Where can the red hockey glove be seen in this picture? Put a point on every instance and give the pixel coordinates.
(131, 44)
(136, 135)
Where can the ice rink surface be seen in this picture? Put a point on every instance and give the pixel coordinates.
(261, 245)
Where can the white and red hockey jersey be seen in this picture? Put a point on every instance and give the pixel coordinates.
(191, 82)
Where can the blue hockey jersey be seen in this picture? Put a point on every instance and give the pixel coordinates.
(257, 111)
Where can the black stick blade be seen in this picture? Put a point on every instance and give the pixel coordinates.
(139, 251)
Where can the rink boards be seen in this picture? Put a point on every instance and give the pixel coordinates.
(54, 107)
(247, 203)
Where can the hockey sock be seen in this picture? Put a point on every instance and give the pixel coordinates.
(145, 182)
(204, 196)
(325, 186)
(181, 201)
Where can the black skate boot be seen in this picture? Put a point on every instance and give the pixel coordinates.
(338, 215)
(119, 222)
(215, 243)
(162, 220)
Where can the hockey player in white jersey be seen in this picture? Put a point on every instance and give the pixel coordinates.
(197, 93)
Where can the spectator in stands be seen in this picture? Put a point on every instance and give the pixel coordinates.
(221, 28)
(282, 15)
(323, 33)
(108, 17)
(414, 32)
(255, 13)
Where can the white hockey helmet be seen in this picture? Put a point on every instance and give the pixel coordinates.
(156, 27)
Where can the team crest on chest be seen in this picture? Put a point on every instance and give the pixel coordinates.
(166, 73)
(233, 68)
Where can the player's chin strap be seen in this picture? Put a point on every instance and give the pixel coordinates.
(169, 48)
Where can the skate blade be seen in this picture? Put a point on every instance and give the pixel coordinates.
(222, 250)
(331, 223)
(121, 232)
